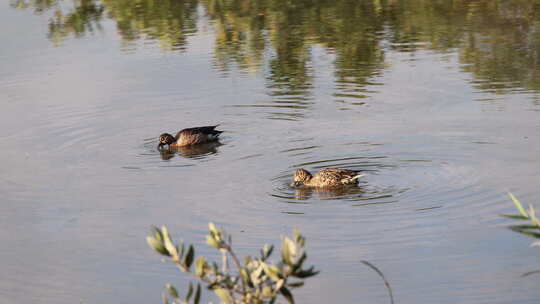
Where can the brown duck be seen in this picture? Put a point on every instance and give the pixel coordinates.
(190, 137)
(329, 177)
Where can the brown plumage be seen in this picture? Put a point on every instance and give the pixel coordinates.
(189, 137)
(329, 177)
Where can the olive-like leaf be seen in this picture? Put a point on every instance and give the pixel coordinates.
(305, 273)
(169, 245)
(287, 294)
(272, 271)
(245, 277)
(210, 240)
(267, 292)
(200, 267)
(189, 257)
(157, 245)
(172, 291)
(157, 232)
(518, 205)
(295, 284)
(224, 295)
(286, 252)
(190, 292)
(515, 217)
(266, 251)
(213, 228)
(197, 297)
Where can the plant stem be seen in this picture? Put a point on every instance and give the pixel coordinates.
(237, 262)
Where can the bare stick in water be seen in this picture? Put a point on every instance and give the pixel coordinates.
(384, 279)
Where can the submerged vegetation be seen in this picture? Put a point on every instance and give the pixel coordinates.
(255, 280)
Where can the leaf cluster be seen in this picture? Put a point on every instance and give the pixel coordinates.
(255, 280)
(533, 228)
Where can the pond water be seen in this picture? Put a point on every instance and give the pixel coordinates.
(438, 102)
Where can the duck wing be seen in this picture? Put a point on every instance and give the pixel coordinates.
(206, 130)
(334, 175)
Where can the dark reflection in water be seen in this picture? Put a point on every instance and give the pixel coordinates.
(344, 192)
(497, 41)
(195, 152)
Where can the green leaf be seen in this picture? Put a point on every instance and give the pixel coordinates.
(305, 273)
(157, 245)
(266, 251)
(515, 217)
(200, 267)
(300, 261)
(189, 257)
(295, 284)
(210, 240)
(287, 251)
(197, 294)
(224, 295)
(172, 291)
(190, 292)
(213, 228)
(169, 245)
(518, 205)
(287, 294)
(157, 233)
(245, 276)
(267, 292)
(215, 232)
(272, 271)
(181, 251)
(299, 238)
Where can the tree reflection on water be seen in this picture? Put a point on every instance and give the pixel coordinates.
(498, 42)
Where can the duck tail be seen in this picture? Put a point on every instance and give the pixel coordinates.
(352, 179)
(356, 177)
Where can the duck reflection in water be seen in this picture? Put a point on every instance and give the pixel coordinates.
(329, 183)
(327, 193)
(196, 151)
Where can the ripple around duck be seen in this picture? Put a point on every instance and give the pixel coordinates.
(353, 193)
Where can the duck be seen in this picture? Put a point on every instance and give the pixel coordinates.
(190, 137)
(329, 177)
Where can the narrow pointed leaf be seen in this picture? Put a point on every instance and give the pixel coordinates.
(210, 240)
(189, 257)
(287, 294)
(224, 295)
(169, 245)
(518, 205)
(515, 217)
(172, 291)
(190, 292)
(200, 267)
(197, 295)
(157, 245)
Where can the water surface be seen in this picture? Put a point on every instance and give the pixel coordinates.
(437, 102)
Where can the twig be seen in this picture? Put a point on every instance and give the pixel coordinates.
(384, 279)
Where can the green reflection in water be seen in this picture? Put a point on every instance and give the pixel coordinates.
(498, 41)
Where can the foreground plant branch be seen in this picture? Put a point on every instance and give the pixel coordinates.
(532, 229)
(255, 281)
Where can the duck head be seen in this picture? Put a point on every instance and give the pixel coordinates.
(165, 139)
(300, 177)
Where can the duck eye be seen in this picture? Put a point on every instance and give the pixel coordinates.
(162, 139)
